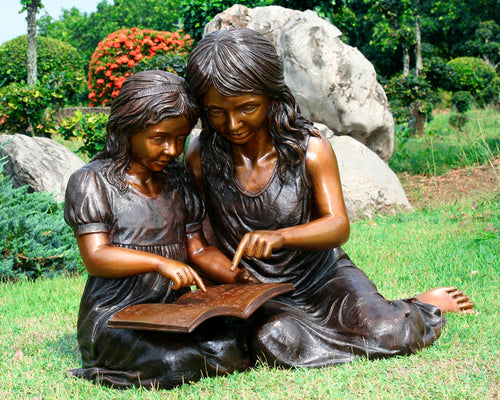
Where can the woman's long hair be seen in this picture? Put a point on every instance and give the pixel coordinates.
(242, 61)
(145, 99)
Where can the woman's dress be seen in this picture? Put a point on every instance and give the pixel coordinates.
(157, 224)
(336, 313)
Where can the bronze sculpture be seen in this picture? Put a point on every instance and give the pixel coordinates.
(136, 213)
(274, 198)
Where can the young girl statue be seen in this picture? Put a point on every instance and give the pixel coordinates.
(274, 198)
(137, 216)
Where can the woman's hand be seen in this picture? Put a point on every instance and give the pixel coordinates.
(181, 274)
(258, 244)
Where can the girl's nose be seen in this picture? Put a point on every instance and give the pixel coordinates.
(233, 121)
(170, 148)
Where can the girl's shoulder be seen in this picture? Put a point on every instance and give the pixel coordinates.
(89, 175)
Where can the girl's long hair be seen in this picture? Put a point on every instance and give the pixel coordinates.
(145, 99)
(242, 61)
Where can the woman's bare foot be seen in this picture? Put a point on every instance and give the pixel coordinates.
(448, 300)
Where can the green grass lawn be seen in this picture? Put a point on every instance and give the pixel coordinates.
(443, 148)
(404, 254)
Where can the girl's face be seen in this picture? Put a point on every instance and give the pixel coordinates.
(159, 144)
(239, 119)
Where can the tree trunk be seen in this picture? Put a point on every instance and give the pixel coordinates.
(32, 9)
(417, 119)
(419, 66)
(406, 61)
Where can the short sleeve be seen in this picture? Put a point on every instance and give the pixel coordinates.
(86, 208)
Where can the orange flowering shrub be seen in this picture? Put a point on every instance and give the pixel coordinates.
(115, 56)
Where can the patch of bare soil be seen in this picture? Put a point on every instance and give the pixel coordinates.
(472, 183)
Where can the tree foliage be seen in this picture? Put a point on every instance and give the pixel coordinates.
(53, 56)
(197, 13)
(85, 30)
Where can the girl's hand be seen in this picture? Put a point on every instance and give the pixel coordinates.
(182, 275)
(258, 244)
(245, 276)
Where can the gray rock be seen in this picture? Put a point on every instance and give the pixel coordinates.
(369, 186)
(41, 163)
(333, 83)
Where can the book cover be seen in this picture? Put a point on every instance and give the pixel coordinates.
(192, 308)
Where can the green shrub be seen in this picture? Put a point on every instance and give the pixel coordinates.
(403, 91)
(462, 101)
(172, 62)
(438, 73)
(458, 120)
(87, 128)
(471, 74)
(23, 106)
(52, 56)
(34, 239)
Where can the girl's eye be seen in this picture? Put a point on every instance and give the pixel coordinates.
(214, 112)
(249, 109)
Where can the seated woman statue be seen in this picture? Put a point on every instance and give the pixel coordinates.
(274, 198)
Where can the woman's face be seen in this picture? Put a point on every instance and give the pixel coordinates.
(239, 119)
(159, 144)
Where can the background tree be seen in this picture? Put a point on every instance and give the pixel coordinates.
(393, 27)
(32, 6)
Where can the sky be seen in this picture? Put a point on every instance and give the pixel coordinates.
(13, 24)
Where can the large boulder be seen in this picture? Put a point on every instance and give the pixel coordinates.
(40, 163)
(369, 186)
(333, 83)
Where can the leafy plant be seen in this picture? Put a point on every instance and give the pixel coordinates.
(173, 62)
(462, 101)
(197, 13)
(34, 239)
(23, 107)
(85, 30)
(403, 91)
(471, 74)
(90, 129)
(115, 56)
(53, 56)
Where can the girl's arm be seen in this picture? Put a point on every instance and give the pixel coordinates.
(102, 258)
(213, 262)
(329, 230)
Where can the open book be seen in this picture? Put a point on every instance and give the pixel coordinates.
(192, 308)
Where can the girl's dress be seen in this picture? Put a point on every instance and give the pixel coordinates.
(336, 313)
(157, 224)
